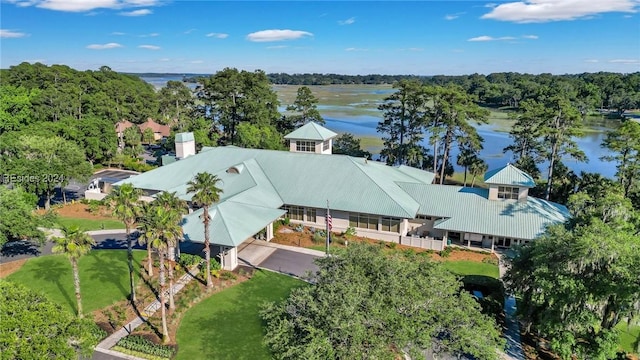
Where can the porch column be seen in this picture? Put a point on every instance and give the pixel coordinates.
(468, 239)
(444, 239)
(230, 256)
(493, 240)
(269, 231)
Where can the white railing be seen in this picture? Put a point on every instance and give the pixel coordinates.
(422, 242)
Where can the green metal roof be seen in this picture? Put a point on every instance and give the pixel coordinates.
(294, 178)
(184, 137)
(468, 209)
(311, 131)
(231, 223)
(509, 175)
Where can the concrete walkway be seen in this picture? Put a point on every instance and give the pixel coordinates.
(112, 340)
(513, 349)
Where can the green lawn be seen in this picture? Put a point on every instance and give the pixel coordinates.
(104, 278)
(463, 267)
(227, 325)
(628, 337)
(90, 224)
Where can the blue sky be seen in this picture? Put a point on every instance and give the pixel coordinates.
(347, 37)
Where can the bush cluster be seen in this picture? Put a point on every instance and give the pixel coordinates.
(140, 344)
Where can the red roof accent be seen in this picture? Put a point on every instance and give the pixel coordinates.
(164, 130)
(123, 125)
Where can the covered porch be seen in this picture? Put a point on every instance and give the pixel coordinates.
(231, 225)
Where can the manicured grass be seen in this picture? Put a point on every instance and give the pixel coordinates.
(90, 224)
(458, 178)
(464, 267)
(104, 278)
(227, 324)
(628, 337)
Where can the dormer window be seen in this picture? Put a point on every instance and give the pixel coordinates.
(508, 192)
(305, 146)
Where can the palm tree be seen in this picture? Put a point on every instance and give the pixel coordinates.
(124, 200)
(160, 230)
(175, 207)
(74, 244)
(477, 168)
(206, 194)
(145, 230)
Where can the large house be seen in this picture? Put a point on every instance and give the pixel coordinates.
(394, 204)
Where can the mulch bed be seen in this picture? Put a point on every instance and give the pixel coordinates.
(286, 235)
(10, 267)
(80, 210)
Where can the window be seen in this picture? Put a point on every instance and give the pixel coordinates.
(390, 224)
(423, 217)
(508, 192)
(326, 145)
(305, 146)
(311, 215)
(294, 212)
(363, 221)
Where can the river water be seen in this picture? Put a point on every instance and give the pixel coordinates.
(341, 121)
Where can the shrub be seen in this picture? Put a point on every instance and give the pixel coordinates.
(491, 260)
(276, 226)
(446, 252)
(299, 228)
(228, 275)
(140, 344)
(286, 221)
(392, 245)
(318, 238)
(189, 260)
(351, 231)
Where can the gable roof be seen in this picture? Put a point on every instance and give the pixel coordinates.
(123, 125)
(509, 175)
(164, 130)
(311, 131)
(294, 178)
(231, 223)
(466, 209)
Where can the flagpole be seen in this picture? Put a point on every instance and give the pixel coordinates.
(328, 229)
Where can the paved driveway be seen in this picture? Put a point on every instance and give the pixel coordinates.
(290, 263)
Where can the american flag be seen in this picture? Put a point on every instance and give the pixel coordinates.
(329, 221)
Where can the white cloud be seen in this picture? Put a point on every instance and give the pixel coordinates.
(217, 35)
(104, 46)
(355, 49)
(277, 47)
(349, 21)
(149, 47)
(482, 38)
(139, 12)
(453, 16)
(10, 34)
(164, 59)
(190, 31)
(593, 61)
(118, 33)
(149, 35)
(490, 5)
(625, 61)
(532, 37)
(415, 49)
(528, 11)
(84, 5)
(491, 38)
(277, 35)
